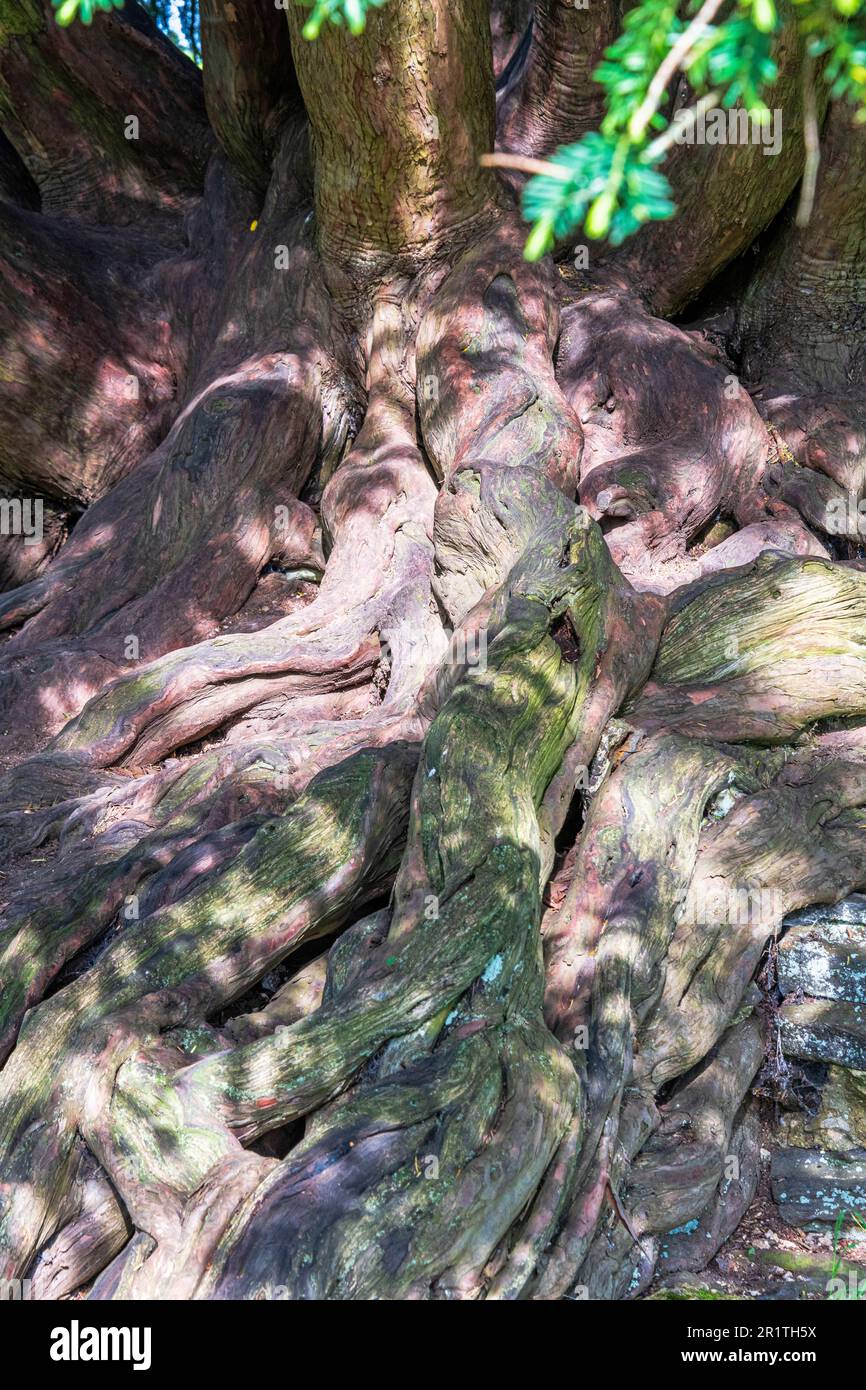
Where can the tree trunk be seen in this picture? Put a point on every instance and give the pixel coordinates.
(464, 616)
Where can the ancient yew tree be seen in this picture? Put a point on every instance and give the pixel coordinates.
(424, 654)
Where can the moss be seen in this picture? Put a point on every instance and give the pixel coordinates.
(692, 1295)
(839, 1124)
(19, 18)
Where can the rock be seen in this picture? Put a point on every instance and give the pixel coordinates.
(840, 1122)
(850, 912)
(825, 1031)
(817, 1271)
(823, 952)
(809, 1185)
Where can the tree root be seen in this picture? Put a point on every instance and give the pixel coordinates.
(651, 724)
(654, 469)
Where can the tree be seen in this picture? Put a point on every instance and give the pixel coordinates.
(431, 674)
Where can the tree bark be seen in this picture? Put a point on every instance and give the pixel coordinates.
(399, 121)
(462, 615)
(66, 106)
(250, 88)
(555, 101)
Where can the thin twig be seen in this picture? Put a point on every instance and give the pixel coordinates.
(682, 123)
(671, 64)
(620, 1211)
(812, 142)
(523, 164)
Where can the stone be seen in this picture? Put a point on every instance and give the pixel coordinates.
(824, 1030)
(810, 1186)
(823, 952)
(840, 1121)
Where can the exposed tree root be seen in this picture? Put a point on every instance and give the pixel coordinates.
(574, 644)
(295, 878)
(674, 445)
(482, 930)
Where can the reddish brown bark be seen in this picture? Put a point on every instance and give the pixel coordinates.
(555, 101)
(66, 104)
(482, 629)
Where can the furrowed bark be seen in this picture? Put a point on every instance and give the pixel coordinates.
(680, 1172)
(62, 91)
(249, 82)
(176, 824)
(399, 118)
(785, 653)
(556, 101)
(726, 193)
(332, 644)
(295, 879)
(801, 330)
(86, 1243)
(673, 479)
(488, 904)
(234, 435)
(779, 849)
(557, 838)
(486, 339)
(654, 1000)
(179, 543)
(606, 950)
(70, 294)
(802, 317)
